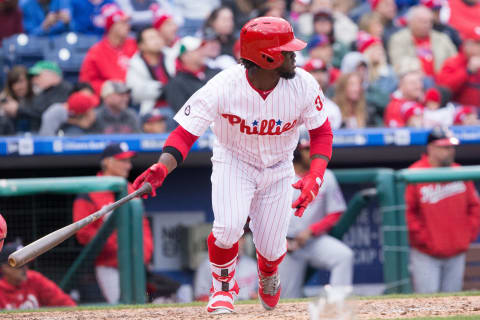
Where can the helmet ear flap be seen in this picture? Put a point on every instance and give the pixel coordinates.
(274, 60)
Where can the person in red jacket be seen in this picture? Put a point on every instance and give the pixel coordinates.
(116, 161)
(108, 59)
(461, 14)
(410, 90)
(442, 218)
(21, 288)
(460, 74)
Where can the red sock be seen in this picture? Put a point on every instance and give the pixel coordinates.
(220, 256)
(268, 267)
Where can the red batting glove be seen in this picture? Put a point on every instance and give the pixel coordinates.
(154, 175)
(309, 185)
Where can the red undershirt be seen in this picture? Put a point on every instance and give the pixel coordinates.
(424, 52)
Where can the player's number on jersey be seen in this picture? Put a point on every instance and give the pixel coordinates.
(318, 103)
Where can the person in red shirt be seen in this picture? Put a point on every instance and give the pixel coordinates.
(442, 218)
(108, 59)
(410, 90)
(461, 73)
(11, 17)
(420, 41)
(116, 161)
(462, 15)
(21, 288)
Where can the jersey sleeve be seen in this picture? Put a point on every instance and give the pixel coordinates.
(333, 195)
(314, 113)
(198, 112)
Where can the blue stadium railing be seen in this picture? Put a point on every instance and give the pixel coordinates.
(28, 145)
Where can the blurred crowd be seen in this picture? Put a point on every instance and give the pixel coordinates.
(381, 63)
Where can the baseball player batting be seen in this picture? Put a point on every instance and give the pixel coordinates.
(254, 110)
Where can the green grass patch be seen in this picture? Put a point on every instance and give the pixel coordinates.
(301, 300)
(448, 318)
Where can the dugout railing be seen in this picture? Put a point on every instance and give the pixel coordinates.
(127, 220)
(407, 176)
(392, 229)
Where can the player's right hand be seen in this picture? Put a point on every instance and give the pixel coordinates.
(154, 175)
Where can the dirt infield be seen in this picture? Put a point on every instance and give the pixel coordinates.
(365, 309)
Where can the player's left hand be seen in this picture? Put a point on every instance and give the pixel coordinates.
(309, 185)
(154, 175)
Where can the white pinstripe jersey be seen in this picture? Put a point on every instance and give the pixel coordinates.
(257, 131)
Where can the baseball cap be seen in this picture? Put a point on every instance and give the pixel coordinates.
(432, 4)
(365, 40)
(112, 13)
(8, 249)
(159, 15)
(118, 151)
(317, 40)
(440, 136)
(374, 3)
(44, 65)
(315, 64)
(110, 87)
(80, 102)
(432, 94)
(472, 34)
(189, 44)
(155, 115)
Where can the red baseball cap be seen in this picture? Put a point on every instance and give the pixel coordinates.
(472, 34)
(432, 4)
(432, 94)
(159, 16)
(314, 64)
(80, 102)
(112, 13)
(365, 40)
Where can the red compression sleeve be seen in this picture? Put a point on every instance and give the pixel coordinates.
(181, 141)
(325, 224)
(321, 140)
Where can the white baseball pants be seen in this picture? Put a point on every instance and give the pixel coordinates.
(325, 252)
(430, 274)
(108, 279)
(239, 191)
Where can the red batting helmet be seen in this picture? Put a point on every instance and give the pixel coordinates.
(263, 39)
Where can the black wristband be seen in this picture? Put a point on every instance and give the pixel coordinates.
(175, 153)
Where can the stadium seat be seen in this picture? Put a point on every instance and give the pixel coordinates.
(24, 49)
(68, 60)
(75, 42)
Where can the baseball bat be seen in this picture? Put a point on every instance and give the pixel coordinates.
(51, 240)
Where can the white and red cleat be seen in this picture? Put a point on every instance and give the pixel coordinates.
(223, 301)
(269, 290)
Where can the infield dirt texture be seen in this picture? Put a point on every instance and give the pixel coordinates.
(383, 308)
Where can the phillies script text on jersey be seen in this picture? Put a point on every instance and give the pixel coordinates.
(267, 127)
